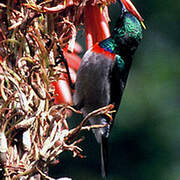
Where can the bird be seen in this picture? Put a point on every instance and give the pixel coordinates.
(103, 73)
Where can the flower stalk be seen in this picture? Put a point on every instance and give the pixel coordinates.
(35, 97)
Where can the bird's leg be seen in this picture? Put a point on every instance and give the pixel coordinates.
(61, 59)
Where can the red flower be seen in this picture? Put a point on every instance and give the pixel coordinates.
(97, 29)
(63, 93)
(96, 24)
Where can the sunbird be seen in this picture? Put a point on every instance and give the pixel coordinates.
(103, 73)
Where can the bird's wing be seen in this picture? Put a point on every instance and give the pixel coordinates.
(93, 85)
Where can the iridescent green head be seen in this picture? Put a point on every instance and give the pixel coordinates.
(127, 33)
(128, 30)
(131, 28)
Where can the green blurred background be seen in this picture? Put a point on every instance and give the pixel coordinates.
(145, 140)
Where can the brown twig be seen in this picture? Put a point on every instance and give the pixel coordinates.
(74, 132)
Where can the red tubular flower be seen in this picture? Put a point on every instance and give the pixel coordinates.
(63, 93)
(62, 90)
(97, 29)
(1, 59)
(96, 24)
(73, 59)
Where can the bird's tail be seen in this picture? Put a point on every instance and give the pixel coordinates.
(102, 135)
(104, 156)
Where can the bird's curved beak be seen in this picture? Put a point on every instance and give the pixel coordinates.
(127, 5)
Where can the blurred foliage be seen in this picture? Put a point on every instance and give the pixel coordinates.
(145, 139)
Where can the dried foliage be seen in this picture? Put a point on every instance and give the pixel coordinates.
(34, 131)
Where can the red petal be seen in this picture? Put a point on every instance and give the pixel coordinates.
(73, 60)
(89, 25)
(102, 26)
(77, 48)
(62, 92)
(72, 74)
(1, 59)
(96, 24)
(131, 8)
